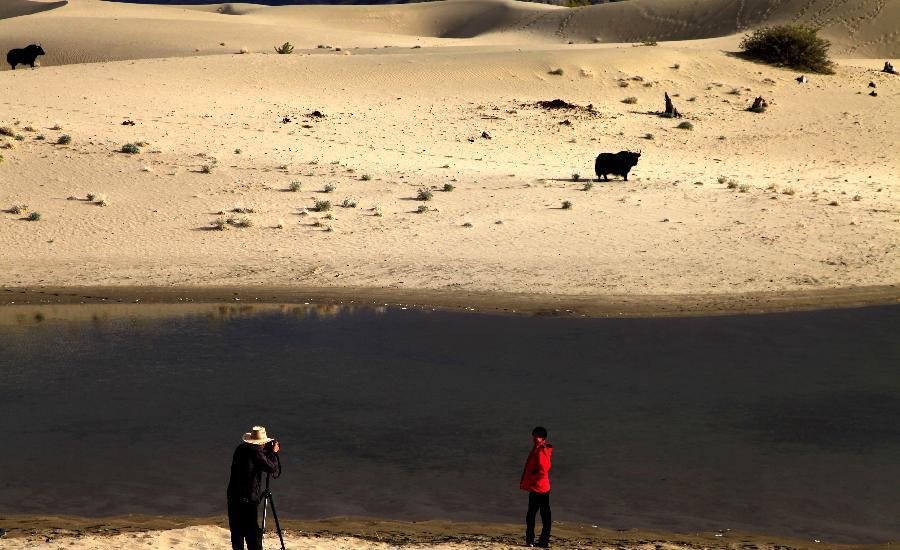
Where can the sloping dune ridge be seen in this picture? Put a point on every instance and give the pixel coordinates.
(440, 97)
(110, 31)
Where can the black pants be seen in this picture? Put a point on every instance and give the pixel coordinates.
(538, 501)
(242, 521)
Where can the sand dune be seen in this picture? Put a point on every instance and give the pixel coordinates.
(116, 31)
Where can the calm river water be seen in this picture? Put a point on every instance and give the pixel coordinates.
(779, 424)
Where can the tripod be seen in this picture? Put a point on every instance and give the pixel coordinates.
(269, 501)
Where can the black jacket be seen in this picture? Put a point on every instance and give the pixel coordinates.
(247, 467)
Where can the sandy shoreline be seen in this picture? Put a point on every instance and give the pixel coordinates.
(485, 302)
(355, 532)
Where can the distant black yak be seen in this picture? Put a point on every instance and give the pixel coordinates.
(617, 164)
(24, 56)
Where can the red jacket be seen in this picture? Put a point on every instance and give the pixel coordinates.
(536, 476)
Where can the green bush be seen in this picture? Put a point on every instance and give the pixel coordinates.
(686, 125)
(449, 187)
(295, 186)
(285, 48)
(131, 149)
(567, 205)
(64, 139)
(323, 206)
(795, 46)
(424, 195)
(34, 217)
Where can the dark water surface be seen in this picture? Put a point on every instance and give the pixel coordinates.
(780, 424)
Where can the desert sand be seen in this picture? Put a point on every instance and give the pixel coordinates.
(348, 533)
(801, 198)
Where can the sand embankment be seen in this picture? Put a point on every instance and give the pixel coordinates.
(51, 532)
(800, 199)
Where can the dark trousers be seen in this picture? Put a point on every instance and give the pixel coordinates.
(242, 521)
(538, 502)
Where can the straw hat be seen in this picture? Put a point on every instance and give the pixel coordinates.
(257, 436)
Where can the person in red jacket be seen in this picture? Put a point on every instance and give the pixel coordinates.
(536, 480)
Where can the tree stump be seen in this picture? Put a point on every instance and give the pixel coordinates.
(671, 111)
(759, 105)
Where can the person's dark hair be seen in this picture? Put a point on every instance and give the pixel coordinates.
(540, 431)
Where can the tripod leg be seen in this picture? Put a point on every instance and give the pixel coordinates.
(277, 525)
(262, 530)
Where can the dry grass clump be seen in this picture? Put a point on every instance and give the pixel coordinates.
(468, 224)
(423, 208)
(588, 186)
(329, 188)
(743, 188)
(219, 224)
(294, 186)
(788, 191)
(243, 221)
(323, 206)
(448, 187)
(209, 166)
(731, 184)
(98, 198)
(348, 203)
(18, 209)
(33, 217)
(567, 205)
(424, 195)
(365, 177)
(64, 139)
(630, 100)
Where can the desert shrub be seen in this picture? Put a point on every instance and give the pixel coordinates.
(743, 188)
(788, 191)
(556, 72)
(676, 66)
(285, 48)
(623, 84)
(56, 127)
(329, 188)
(424, 195)
(64, 139)
(631, 100)
(2, 158)
(422, 208)
(735, 91)
(295, 186)
(209, 166)
(39, 137)
(243, 210)
(323, 206)
(686, 125)
(18, 209)
(348, 203)
(588, 186)
(857, 197)
(243, 221)
(7, 131)
(732, 184)
(365, 177)
(576, 176)
(649, 136)
(796, 46)
(449, 187)
(34, 217)
(20, 137)
(567, 205)
(130, 148)
(722, 179)
(649, 43)
(219, 224)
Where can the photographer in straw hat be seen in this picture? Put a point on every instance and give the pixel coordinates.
(252, 458)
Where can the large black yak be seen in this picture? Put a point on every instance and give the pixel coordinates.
(24, 56)
(617, 164)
